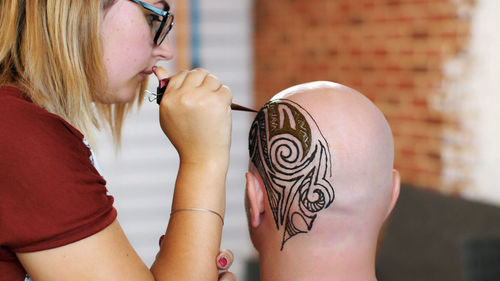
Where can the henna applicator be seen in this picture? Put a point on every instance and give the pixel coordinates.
(163, 86)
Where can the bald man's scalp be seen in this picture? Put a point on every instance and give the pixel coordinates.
(293, 159)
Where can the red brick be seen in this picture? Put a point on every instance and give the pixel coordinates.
(391, 50)
(406, 85)
(380, 52)
(420, 102)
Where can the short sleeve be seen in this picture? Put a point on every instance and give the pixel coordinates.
(50, 193)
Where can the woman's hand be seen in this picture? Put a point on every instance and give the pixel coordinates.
(195, 114)
(224, 261)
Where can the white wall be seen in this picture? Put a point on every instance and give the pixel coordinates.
(141, 177)
(226, 50)
(483, 85)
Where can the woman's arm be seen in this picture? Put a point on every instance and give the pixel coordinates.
(106, 255)
(192, 243)
(202, 138)
(195, 115)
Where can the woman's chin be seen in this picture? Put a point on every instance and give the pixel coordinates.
(118, 96)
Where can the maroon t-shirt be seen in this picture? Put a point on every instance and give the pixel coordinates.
(50, 193)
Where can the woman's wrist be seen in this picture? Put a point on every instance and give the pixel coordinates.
(216, 163)
(201, 185)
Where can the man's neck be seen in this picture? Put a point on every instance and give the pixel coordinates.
(318, 264)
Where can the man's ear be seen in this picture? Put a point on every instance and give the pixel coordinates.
(255, 195)
(396, 186)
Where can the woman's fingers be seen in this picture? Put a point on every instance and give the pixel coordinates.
(211, 82)
(190, 79)
(160, 72)
(225, 259)
(227, 276)
(194, 78)
(195, 115)
(177, 80)
(224, 90)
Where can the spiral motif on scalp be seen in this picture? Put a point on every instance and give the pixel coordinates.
(286, 154)
(293, 159)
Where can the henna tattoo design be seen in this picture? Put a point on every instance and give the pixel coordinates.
(294, 163)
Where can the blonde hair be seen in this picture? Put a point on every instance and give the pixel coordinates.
(51, 50)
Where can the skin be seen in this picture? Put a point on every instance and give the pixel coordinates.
(294, 161)
(342, 240)
(202, 137)
(128, 50)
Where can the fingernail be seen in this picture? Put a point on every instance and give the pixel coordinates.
(161, 239)
(222, 262)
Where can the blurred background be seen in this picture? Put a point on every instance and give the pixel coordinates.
(431, 66)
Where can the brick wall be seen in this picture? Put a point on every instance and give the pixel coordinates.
(393, 51)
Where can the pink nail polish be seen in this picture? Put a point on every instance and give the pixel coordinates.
(223, 262)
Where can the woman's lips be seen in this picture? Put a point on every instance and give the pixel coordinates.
(145, 74)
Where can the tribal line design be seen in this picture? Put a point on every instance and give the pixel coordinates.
(294, 163)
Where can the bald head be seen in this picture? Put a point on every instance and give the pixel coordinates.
(323, 154)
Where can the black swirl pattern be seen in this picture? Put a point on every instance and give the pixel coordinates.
(294, 163)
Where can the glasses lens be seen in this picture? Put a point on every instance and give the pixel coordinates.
(164, 29)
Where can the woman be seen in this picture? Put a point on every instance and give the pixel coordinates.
(65, 65)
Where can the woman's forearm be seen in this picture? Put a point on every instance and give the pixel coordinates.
(192, 241)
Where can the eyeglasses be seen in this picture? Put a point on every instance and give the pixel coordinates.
(161, 22)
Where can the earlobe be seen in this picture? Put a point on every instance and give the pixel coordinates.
(396, 187)
(255, 199)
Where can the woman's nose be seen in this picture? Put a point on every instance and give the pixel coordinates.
(164, 51)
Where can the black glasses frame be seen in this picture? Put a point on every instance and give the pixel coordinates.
(166, 16)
